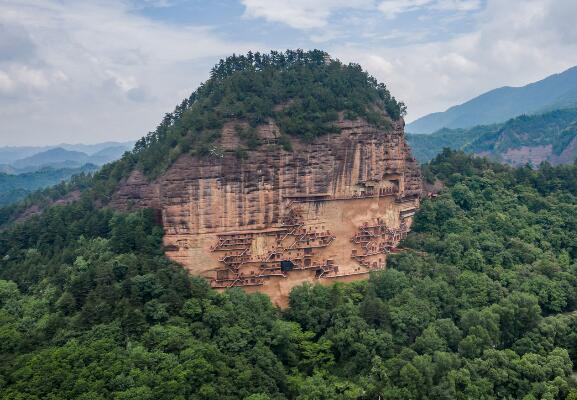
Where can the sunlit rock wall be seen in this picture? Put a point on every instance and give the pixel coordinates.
(327, 211)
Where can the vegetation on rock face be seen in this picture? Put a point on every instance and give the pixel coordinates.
(301, 91)
(481, 305)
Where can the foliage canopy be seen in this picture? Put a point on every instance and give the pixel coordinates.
(557, 129)
(481, 305)
(302, 91)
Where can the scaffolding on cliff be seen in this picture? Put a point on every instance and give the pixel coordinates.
(295, 255)
(377, 238)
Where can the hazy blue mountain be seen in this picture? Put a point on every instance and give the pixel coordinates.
(52, 157)
(7, 169)
(11, 154)
(107, 155)
(550, 136)
(27, 168)
(92, 149)
(15, 160)
(554, 92)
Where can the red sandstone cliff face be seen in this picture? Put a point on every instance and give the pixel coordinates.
(329, 210)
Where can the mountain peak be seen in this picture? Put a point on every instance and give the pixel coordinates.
(498, 105)
(302, 92)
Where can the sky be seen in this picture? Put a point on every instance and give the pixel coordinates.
(80, 71)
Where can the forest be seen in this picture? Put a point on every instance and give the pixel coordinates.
(481, 303)
(556, 128)
(14, 188)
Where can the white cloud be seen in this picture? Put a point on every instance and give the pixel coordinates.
(514, 43)
(6, 83)
(307, 14)
(391, 8)
(457, 5)
(95, 70)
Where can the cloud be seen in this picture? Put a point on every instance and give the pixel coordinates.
(95, 70)
(457, 5)
(306, 14)
(300, 14)
(106, 69)
(6, 83)
(392, 8)
(512, 43)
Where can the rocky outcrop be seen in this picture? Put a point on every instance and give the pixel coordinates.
(268, 219)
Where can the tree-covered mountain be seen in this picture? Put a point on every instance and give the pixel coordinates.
(15, 187)
(550, 137)
(496, 106)
(301, 92)
(481, 304)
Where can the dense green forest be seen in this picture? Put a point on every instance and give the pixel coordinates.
(482, 304)
(555, 128)
(16, 187)
(426, 147)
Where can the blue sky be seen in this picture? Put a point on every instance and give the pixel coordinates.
(90, 71)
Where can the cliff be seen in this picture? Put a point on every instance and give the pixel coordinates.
(328, 210)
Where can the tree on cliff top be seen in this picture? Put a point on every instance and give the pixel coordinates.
(302, 91)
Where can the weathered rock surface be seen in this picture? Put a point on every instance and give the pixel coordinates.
(329, 210)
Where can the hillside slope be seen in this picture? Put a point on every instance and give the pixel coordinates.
(481, 305)
(550, 137)
(498, 105)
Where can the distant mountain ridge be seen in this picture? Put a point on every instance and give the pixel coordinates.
(15, 160)
(550, 137)
(59, 157)
(16, 187)
(52, 156)
(10, 154)
(26, 169)
(557, 91)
